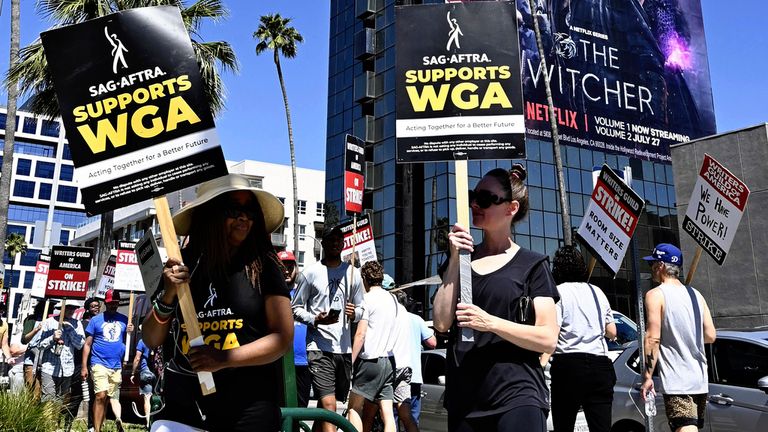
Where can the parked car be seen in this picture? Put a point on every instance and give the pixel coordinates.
(626, 332)
(738, 385)
(434, 416)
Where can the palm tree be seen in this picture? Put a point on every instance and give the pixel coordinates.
(14, 245)
(10, 127)
(275, 34)
(566, 217)
(34, 76)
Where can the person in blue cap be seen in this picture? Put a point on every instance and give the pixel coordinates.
(678, 325)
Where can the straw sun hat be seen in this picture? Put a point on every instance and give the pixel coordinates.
(271, 206)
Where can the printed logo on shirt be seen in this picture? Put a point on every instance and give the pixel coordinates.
(217, 325)
(211, 296)
(111, 331)
(335, 295)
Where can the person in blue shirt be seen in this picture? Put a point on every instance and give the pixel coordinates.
(105, 345)
(147, 378)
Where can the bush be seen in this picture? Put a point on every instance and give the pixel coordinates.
(22, 412)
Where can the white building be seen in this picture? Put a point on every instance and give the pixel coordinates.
(42, 189)
(131, 222)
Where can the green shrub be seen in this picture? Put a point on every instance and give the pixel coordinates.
(22, 412)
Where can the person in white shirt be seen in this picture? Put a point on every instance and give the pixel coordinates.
(328, 299)
(373, 353)
(582, 373)
(57, 346)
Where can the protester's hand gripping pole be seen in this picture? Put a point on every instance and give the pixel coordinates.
(168, 233)
(465, 258)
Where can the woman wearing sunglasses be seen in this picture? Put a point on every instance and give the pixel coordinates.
(242, 305)
(496, 382)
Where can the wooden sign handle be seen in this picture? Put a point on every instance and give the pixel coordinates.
(592, 263)
(61, 314)
(694, 264)
(465, 258)
(168, 233)
(45, 309)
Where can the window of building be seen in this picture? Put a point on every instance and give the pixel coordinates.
(69, 218)
(302, 207)
(50, 128)
(30, 258)
(44, 192)
(64, 238)
(4, 117)
(256, 182)
(302, 232)
(24, 167)
(34, 149)
(44, 169)
(301, 257)
(29, 277)
(282, 200)
(67, 172)
(320, 210)
(17, 229)
(23, 213)
(67, 194)
(67, 154)
(30, 125)
(24, 189)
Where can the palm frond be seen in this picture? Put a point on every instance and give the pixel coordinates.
(275, 34)
(67, 12)
(194, 15)
(209, 54)
(34, 78)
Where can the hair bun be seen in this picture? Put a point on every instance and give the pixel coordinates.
(518, 171)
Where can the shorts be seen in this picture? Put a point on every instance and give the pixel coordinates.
(107, 380)
(685, 410)
(403, 385)
(375, 378)
(331, 374)
(146, 382)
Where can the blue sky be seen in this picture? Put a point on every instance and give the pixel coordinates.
(253, 124)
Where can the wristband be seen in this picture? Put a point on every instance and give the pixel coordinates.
(163, 308)
(160, 320)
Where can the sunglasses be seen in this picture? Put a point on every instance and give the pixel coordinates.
(233, 211)
(485, 198)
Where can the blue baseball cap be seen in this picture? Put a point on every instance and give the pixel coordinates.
(388, 283)
(667, 253)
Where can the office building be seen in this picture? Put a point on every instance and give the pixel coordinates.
(41, 186)
(412, 205)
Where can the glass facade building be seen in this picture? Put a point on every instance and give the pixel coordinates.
(34, 169)
(411, 206)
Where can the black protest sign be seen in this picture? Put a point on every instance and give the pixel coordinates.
(459, 94)
(69, 272)
(133, 104)
(354, 177)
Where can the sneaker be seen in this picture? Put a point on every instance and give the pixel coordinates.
(119, 425)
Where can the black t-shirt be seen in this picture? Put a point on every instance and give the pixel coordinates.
(492, 375)
(231, 313)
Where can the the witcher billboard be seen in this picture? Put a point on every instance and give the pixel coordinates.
(628, 77)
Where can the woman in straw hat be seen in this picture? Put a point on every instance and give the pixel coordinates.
(243, 308)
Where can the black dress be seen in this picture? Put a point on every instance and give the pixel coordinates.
(491, 375)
